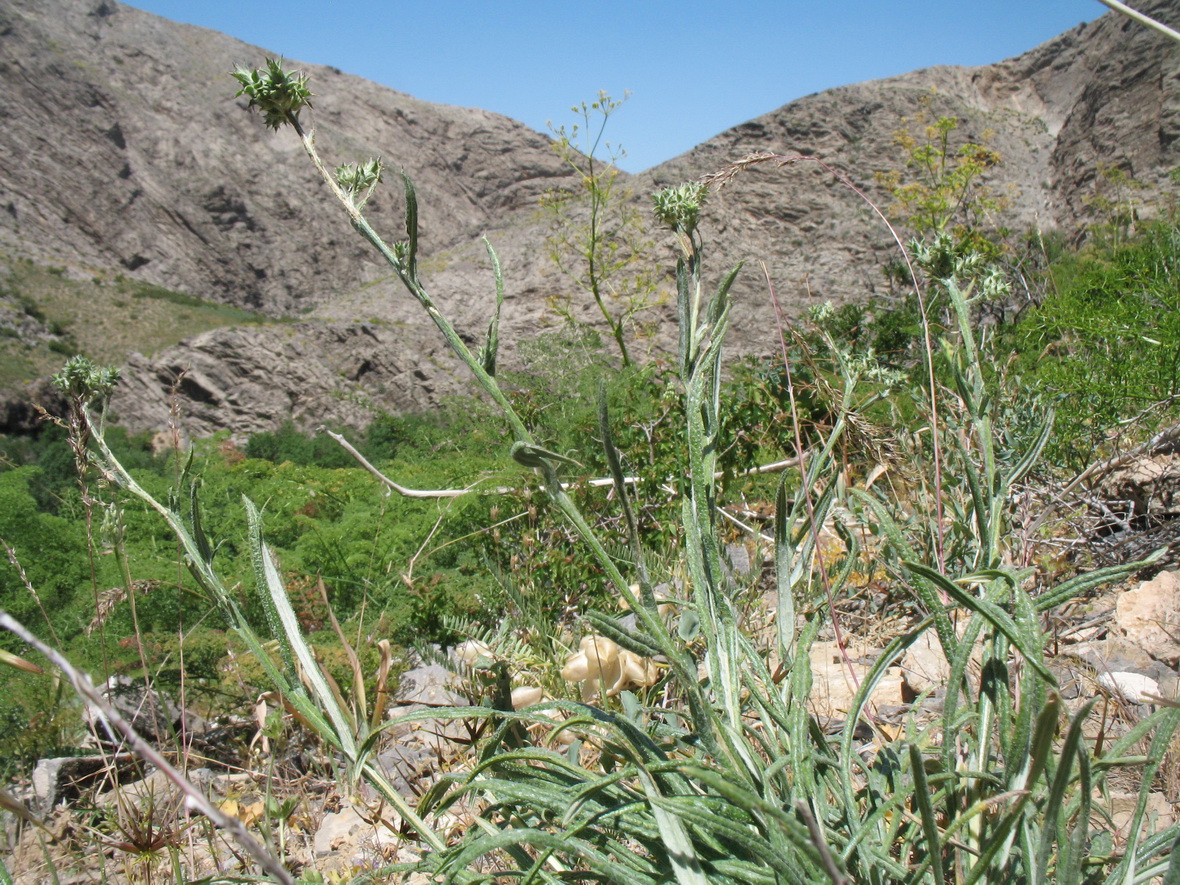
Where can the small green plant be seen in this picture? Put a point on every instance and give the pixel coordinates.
(942, 195)
(598, 237)
(946, 191)
(1113, 201)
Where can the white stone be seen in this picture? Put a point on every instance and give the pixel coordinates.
(1134, 687)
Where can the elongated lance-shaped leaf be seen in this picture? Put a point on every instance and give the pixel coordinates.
(895, 649)
(491, 342)
(797, 688)
(1032, 687)
(1062, 778)
(770, 816)
(1173, 876)
(631, 640)
(1033, 454)
(932, 842)
(194, 515)
(746, 843)
(291, 637)
(999, 618)
(1160, 742)
(957, 691)
(1071, 852)
(684, 315)
(274, 621)
(719, 305)
(785, 580)
(606, 866)
(677, 843)
(981, 504)
(1083, 583)
(411, 255)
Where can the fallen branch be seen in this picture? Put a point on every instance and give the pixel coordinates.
(776, 467)
(1169, 436)
(1141, 18)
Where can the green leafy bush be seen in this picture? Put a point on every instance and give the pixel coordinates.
(1104, 345)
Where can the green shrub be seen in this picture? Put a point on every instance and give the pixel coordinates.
(1105, 344)
(288, 443)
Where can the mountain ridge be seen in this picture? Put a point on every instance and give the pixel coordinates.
(164, 178)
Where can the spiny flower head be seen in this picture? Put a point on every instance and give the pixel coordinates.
(280, 94)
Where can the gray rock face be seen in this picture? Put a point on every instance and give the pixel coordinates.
(1107, 92)
(253, 379)
(63, 778)
(124, 150)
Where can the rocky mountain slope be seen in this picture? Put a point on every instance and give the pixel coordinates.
(125, 154)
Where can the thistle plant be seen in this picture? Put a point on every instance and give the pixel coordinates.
(737, 782)
(726, 775)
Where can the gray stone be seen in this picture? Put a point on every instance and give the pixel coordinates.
(153, 715)
(739, 559)
(64, 778)
(430, 685)
(347, 834)
(1149, 616)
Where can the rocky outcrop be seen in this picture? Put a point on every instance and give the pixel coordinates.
(1107, 92)
(125, 150)
(252, 379)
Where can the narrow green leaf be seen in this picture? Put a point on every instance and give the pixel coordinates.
(932, 847)
(1080, 584)
(491, 344)
(411, 255)
(679, 846)
(1173, 875)
(632, 640)
(993, 613)
(291, 636)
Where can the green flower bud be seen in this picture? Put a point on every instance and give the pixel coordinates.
(280, 94)
(679, 207)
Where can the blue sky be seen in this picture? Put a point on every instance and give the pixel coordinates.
(693, 68)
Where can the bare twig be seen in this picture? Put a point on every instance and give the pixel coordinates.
(821, 845)
(1169, 436)
(598, 482)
